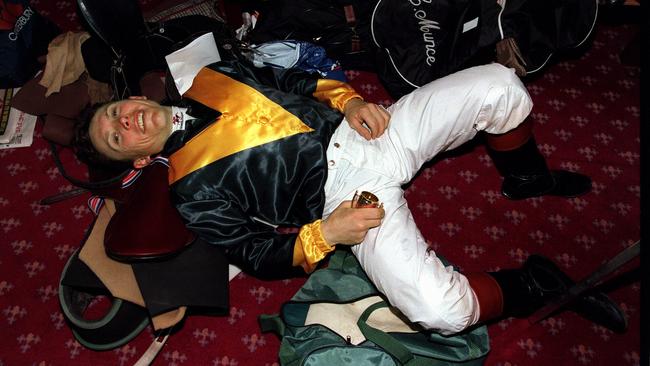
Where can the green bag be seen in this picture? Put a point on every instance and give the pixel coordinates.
(317, 326)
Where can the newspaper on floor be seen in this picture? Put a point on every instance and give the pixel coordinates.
(16, 127)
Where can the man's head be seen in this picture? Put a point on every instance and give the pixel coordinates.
(132, 129)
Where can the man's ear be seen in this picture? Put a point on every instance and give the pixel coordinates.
(142, 162)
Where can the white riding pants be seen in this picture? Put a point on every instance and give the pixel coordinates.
(439, 116)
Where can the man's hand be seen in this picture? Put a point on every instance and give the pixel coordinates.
(347, 225)
(368, 119)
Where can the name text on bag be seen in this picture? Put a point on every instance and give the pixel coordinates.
(20, 23)
(426, 26)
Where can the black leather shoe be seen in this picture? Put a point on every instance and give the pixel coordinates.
(549, 282)
(600, 309)
(561, 183)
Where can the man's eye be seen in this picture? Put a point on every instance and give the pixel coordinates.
(116, 138)
(114, 113)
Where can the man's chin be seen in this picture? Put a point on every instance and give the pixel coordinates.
(159, 120)
(163, 117)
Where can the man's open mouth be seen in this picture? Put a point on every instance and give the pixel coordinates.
(140, 120)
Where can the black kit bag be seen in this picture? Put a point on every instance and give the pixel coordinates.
(541, 29)
(422, 40)
(412, 42)
(439, 37)
(407, 42)
(24, 36)
(123, 46)
(341, 27)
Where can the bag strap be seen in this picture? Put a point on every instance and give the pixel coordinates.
(85, 184)
(271, 323)
(274, 323)
(337, 260)
(351, 20)
(384, 340)
(154, 348)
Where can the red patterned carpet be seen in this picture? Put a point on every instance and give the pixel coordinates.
(587, 119)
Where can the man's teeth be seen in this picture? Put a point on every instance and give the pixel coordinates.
(141, 120)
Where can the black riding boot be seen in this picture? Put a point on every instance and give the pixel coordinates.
(526, 175)
(540, 281)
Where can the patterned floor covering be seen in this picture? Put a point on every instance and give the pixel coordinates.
(587, 119)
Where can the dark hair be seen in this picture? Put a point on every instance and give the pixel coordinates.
(84, 148)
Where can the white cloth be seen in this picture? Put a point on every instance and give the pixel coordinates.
(185, 63)
(436, 117)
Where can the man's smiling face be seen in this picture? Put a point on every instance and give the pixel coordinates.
(130, 129)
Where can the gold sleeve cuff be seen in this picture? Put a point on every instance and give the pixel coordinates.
(310, 247)
(335, 93)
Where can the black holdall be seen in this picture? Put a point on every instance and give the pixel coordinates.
(124, 45)
(439, 37)
(409, 43)
(24, 36)
(435, 38)
(341, 27)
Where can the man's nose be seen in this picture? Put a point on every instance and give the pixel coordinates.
(125, 122)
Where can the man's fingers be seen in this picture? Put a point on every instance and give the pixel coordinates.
(371, 213)
(368, 128)
(361, 129)
(375, 126)
(384, 113)
(384, 118)
(368, 119)
(376, 118)
(373, 223)
(347, 225)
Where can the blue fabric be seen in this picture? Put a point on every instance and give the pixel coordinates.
(314, 59)
(296, 54)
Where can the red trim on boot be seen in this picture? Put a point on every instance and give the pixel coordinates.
(488, 293)
(512, 139)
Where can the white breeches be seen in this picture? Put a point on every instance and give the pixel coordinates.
(439, 116)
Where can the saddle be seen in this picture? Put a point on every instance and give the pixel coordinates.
(145, 225)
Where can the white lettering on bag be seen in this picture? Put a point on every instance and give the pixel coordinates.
(20, 23)
(426, 26)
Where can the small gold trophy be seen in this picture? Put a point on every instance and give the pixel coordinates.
(365, 199)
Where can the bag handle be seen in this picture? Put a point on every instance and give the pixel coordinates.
(384, 340)
(85, 184)
(351, 19)
(271, 323)
(274, 323)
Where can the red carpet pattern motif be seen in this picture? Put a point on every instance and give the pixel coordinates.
(587, 119)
